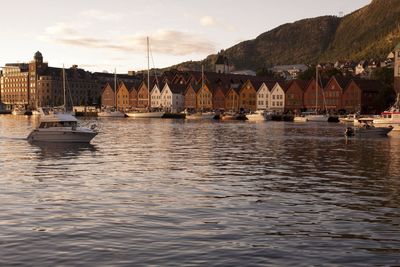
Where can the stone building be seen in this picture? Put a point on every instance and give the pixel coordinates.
(35, 84)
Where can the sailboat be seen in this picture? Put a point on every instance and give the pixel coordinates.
(314, 116)
(61, 127)
(149, 113)
(112, 111)
(201, 114)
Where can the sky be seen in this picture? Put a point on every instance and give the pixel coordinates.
(100, 35)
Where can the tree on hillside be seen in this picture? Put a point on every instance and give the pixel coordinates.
(386, 95)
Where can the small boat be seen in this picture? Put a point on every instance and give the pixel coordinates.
(348, 119)
(145, 114)
(390, 117)
(110, 112)
(18, 110)
(300, 119)
(317, 117)
(201, 115)
(233, 117)
(35, 112)
(258, 115)
(61, 127)
(367, 130)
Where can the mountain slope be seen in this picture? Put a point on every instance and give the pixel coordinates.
(369, 32)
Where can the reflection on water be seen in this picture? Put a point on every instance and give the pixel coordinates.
(165, 192)
(62, 150)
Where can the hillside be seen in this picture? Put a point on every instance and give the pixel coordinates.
(369, 32)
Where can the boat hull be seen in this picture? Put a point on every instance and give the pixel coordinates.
(61, 136)
(142, 115)
(368, 131)
(317, 118)
(18, 112)
(300, 119)
(201, 116)
(111, 114)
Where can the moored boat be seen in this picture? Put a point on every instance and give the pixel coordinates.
(18, 110)
(367, 131)
(110, 112)
(258, 115)
(390, 117)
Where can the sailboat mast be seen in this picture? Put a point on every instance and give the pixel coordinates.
(316, 88)
(148, 72)
(63, 72)
(202, 87)
(115, 89)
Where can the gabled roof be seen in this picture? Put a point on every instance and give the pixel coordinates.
(105, 87)
(220, 60)
(282, 85)
(129, 85)
(177, 88)
(301, 83)
(342, 81)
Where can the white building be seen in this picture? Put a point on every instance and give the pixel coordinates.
(172, 98)
(263, 96)
(155, 95)
(277, 99)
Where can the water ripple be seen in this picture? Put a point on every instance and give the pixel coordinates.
(166, 192)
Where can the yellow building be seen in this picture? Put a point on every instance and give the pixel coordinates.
(248, 96)
(123, 97)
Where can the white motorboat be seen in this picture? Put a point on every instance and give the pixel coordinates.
(110, 112)
(258, 115)
(61, 127)
(390, 117)
(57, 125)
(300, 118)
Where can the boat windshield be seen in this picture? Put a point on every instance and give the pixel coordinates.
(58, 124)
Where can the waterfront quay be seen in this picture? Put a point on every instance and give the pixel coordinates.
(35, 84)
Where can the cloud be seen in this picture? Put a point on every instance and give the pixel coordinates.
(61, 29)
(173, 42)
(167, 42)
(207, 21)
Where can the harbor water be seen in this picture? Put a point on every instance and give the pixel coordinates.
(166, 192)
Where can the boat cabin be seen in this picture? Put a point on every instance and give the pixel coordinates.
(72, 124)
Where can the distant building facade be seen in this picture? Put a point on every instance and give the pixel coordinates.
(35, 84)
